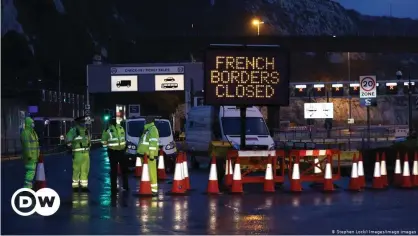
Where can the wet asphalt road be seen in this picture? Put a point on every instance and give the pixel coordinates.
(311, 212)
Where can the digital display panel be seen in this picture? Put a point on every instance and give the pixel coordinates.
(246, 76)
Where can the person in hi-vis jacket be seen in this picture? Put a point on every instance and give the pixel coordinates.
(114, 139)
(30, 150)
(78, 138)
(148, 144)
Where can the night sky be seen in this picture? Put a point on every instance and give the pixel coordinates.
(400, 8)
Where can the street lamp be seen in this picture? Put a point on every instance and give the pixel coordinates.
(399, 76)
(257, 23)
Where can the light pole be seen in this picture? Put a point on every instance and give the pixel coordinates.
(257, 23)
(399, 76)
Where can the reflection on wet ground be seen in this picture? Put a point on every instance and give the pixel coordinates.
(310, 212)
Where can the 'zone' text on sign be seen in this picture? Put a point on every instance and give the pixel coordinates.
(246, 78)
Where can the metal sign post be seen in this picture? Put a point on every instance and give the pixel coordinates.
(243, 116)
(368, 94)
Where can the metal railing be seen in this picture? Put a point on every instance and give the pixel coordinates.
(13, 147)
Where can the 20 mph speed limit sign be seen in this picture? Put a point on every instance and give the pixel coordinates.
(368, 86)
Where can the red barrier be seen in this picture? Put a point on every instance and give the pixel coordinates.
(315, 159)
(261, 159)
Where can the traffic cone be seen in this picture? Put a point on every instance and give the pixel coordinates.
(398, 171)
(406, 175)
(228, 172)
(40, 181)
(295, 184)
(415, 171)
(178, 181)
(138, 167)
(317, 170)
(268, 178)
(145, 183)
(236, 179)
(354, 180)
(360, 168)
(161, 167)
(383, 170)
(328, 184)
(185, 171)
(377, 179)
(213, 187)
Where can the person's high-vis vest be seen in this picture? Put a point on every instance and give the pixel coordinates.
(114, 138)
(148, 143)
(81, 141)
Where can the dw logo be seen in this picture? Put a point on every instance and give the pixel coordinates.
(45, 202)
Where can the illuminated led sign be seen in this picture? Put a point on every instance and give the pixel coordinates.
(246, 76)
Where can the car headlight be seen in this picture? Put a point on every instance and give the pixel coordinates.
(170, 146)
(131, 146)
(272, 147)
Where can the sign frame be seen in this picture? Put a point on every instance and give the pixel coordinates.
(284, 53)
(179, 80)
(322, 104)
(134, 114)
(372, 90)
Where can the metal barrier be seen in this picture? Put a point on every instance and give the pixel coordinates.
(309, 157)
(258, 161)
(13, 147)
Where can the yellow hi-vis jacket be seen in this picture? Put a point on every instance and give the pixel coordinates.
(114, 137)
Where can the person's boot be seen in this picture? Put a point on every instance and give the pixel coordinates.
(75, 186)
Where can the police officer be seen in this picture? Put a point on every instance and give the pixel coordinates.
(148, 144)
(30, 150)
(114, 138)
(78, 138)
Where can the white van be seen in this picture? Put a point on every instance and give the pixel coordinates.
(208, 123)
(134, 129)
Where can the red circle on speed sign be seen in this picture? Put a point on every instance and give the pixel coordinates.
(367, 84)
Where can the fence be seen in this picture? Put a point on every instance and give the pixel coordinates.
(12, 146)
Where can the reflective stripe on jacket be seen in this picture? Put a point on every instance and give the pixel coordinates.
(79, 139)
(148, 143)
(114, 137)
(30, 144)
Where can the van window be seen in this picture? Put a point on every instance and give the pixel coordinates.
(135, 128)
(255, 126)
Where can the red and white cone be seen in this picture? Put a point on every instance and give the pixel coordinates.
(406, 174)
(186, 171)
(398, 171)
(295, 184)
(228, 172)
(145, 183)
(317, 170)
(328, 183)
(213, 187)
(415, 171)
(178, 186)
(161, 167)
(360, 168)
(40, 181)
(377, 179)
(268, 178)
(138, 167)
(354, 180)
(383, 170)
(236, 179)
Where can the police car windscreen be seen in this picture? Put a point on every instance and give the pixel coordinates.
(255, 126)
(163, 128)
(135, 128)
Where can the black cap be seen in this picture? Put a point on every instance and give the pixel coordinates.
(149, 119)
(80, 119)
